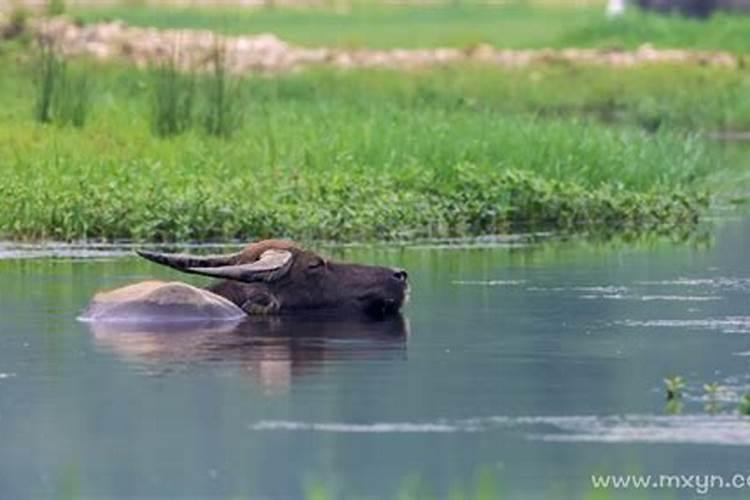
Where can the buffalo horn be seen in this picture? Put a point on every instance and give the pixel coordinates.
(271, 265)
(182, 262)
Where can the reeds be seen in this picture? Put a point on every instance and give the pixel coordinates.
(346, 156)
(61, 96)
(173, 97)
(223, 103)
(183, 98)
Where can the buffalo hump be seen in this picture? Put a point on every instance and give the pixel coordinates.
(160, 301)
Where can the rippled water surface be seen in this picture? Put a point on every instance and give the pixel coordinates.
(535, 364)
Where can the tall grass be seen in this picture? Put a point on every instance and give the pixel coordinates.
(360, 155)
(182, 98)
(349, 174)
(74, 100)
(61, 96)
(50, 71)
(223, 108)
(173, 97)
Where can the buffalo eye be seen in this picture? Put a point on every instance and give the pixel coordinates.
(316, 263)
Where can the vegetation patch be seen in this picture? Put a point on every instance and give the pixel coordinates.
(347, 156)
(331, 206)
(60, 96)
(173, 98)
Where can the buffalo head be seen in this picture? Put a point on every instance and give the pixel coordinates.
(275, 276)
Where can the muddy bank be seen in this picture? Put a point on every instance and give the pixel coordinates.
(268, 53)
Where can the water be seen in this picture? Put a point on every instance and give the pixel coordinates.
(534, 365)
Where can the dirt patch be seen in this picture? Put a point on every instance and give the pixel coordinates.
(266, 53)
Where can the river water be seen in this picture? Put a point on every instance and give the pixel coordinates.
(518, 369)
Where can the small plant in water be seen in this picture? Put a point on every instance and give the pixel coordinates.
(713, 390)
(674, 407)
(674, 386)
(745, 405)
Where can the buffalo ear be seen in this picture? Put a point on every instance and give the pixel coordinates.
(272, 265)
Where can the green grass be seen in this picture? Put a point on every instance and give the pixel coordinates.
(720, 32)
(172, 99)
(517, 25)
(347, 156)
(370, 26)
(49, 73)
(223, 107)
(180, 99)
(671, 96)
(60, 96)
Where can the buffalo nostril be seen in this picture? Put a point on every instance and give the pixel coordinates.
(400, 275)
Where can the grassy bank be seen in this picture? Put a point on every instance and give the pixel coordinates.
(514, 25)
(693, 99)
(357, 155)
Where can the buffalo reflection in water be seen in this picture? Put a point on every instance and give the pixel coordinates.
(273, 350)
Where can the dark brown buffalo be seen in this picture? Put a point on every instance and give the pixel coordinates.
(278, 277)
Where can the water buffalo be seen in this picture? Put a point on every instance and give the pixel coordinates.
(267, 277)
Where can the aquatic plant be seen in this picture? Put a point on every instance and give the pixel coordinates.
(744, 406)
(73, 100)
(713, 390)
(173, 96)
(223, 103)
(323, 162)
(674, 386)
(50, 71)
(61, 96)
(674, 407)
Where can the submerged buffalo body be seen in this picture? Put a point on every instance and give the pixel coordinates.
(268, 277)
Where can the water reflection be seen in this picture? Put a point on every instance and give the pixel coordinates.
(271, 350)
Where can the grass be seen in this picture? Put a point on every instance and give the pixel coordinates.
(369, 26)
(182, 98)
(706, 99)
(345, 156)
(720, 32)
(223, 111)
(74, 99)
(172, 100)
(515, 25)
(49, 74)
(60, 96)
